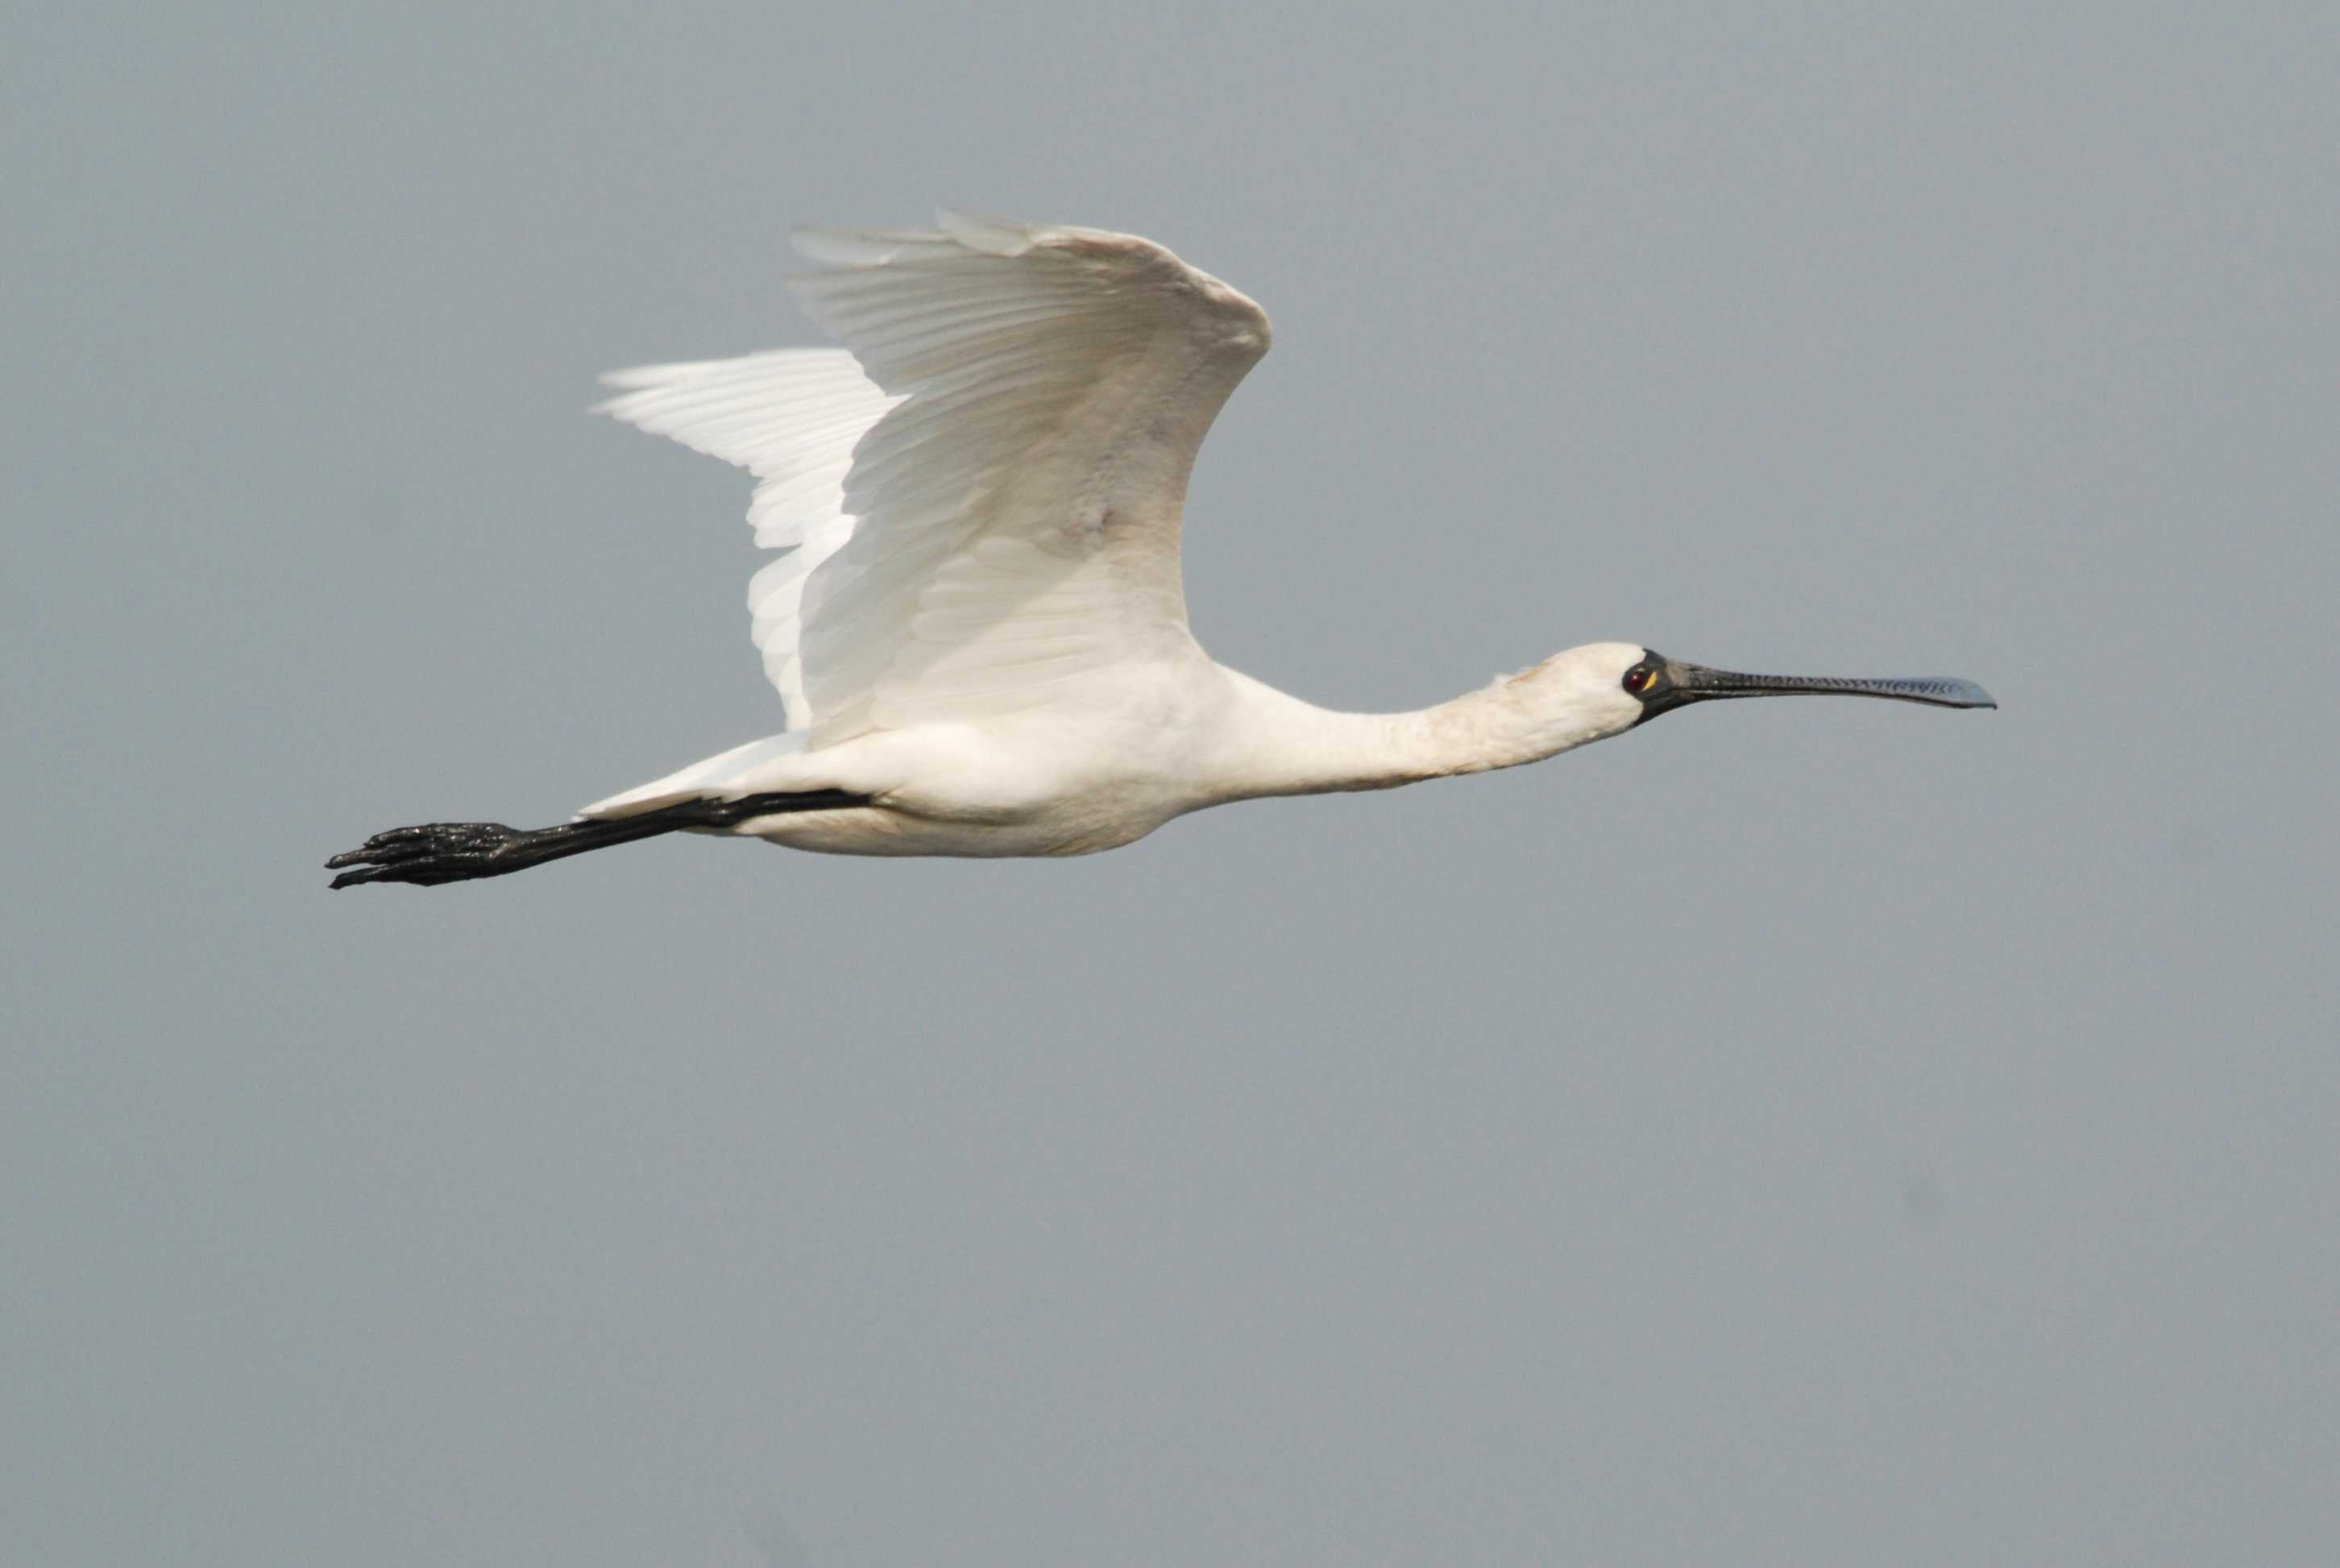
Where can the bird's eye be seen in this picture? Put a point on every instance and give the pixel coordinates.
(1638, 678)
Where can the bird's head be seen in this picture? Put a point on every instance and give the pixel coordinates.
(1605, 689)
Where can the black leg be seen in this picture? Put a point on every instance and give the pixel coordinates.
(438, 852)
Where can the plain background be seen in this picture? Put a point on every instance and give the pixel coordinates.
(1799, 1133)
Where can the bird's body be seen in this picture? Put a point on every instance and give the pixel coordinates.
(1103, 765)
(977, 626)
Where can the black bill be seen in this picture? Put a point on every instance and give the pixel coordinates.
(1676, 684)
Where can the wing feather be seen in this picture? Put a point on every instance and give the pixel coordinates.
(980, 495)
(791, 417)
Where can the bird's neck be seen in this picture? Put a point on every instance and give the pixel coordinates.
(1284, 746)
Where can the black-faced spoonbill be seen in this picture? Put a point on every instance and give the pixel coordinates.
(977, 626)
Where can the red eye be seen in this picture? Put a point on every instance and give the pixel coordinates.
(1638, 678)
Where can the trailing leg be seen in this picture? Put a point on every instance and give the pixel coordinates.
(436, 852)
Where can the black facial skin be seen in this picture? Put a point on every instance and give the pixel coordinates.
(1664, 684)
(1646, 677)
(1653, 683)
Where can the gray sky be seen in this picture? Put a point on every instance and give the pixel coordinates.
(1801, 1133)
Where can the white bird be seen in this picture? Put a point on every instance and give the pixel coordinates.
(976, 624)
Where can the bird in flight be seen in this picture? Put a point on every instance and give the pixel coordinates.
(977, 622)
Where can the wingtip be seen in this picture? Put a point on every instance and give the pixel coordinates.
(851, 247)
(992, 235)
(873, 247)
(627, 383)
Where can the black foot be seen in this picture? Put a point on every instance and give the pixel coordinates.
(435, 852)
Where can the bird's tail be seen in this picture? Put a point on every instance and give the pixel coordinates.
(742, 770)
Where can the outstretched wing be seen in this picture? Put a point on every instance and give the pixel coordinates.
(791, 418)
(982, 503)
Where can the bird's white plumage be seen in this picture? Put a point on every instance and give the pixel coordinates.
(791, 417)
(977, 622)
(980, 496)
